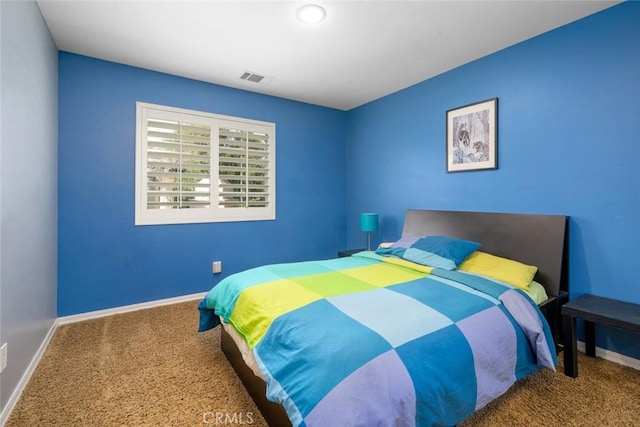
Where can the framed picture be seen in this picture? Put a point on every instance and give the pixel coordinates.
(472, 137)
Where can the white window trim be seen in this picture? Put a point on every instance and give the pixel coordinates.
(145, 216)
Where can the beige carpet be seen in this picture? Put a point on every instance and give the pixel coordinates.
(151, 368)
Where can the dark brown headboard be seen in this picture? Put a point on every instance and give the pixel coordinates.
(538, 240)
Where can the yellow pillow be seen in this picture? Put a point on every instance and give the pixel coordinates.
(503, 269)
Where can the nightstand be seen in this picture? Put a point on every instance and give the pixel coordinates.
(551, 310)
(594, 310)
(349, 252)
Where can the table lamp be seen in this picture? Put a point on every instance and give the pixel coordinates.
(369, 224)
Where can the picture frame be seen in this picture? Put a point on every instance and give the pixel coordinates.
(472, 136)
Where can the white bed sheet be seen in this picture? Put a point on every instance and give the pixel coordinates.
(245, 351)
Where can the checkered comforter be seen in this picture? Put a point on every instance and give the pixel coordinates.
(368, 340)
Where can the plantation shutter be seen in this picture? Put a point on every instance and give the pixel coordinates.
(194, 167)
(178, 164)
(243, 168)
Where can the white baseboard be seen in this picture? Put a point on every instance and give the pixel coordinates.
(127, 308)
(17, 392)
(613, 356)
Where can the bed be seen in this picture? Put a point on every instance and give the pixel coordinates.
(383, 338)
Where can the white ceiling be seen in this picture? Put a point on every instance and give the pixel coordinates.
(362, 51)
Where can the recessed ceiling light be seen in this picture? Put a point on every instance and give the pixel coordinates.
(311, 14)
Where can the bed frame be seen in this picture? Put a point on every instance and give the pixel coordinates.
(539, 240)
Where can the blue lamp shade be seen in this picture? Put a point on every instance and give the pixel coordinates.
(369, 222)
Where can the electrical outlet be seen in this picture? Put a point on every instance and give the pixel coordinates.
(216, 267)
(3, 357)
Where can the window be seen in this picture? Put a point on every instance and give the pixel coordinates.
(199, 167)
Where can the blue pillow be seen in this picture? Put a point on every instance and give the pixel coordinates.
(447, 247)
(433, 251)
(428, 258)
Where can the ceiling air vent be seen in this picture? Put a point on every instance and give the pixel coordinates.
(255, 78)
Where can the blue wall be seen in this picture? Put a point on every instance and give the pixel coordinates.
(569, 108)
(569, 143)
(105, 261)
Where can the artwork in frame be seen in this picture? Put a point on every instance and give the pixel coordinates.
(472, 137)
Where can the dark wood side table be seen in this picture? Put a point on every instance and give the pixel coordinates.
(594, 310)
(349, 252)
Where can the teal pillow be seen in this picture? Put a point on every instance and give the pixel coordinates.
(428, 258)
(433, 251)
(447, 247)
